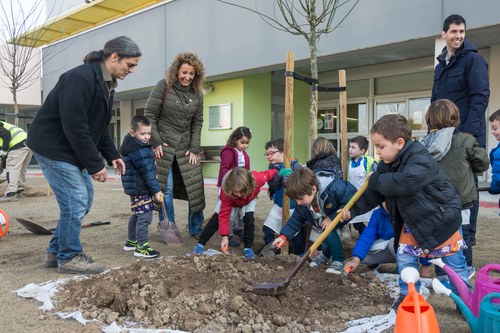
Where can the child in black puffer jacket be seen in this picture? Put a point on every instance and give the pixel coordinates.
(140, 183)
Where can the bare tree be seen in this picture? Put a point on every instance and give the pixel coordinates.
(19, 65)
(310, 19)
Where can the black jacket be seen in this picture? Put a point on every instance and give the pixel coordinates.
(465, 82)
(72, 124)
(416, 193)
(140, 174)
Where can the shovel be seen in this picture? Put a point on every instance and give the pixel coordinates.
(275, 289)
(268, 250)
(168, 230)
(39, 230)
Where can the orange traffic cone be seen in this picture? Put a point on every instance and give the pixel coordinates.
(414, 313)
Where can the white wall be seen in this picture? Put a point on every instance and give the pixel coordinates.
(28, 96)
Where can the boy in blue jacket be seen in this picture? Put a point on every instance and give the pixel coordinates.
(318, 195)
(140, 183)
(376, 244)
(495, 154)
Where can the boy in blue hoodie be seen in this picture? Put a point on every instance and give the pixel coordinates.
(495, 154)
(376, 244)
(140, 183)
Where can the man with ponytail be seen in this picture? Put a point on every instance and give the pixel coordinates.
(69, 138)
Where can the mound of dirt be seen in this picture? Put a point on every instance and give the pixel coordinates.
(200, 294)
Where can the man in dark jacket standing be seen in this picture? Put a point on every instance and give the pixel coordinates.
(462, 77)
(68, 137)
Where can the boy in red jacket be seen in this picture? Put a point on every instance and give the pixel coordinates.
(239, 187)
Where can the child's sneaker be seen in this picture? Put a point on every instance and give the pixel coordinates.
(145, 251)
(319, 261)
(130, 245)
(198, 249)
(248, 253)
(335, 268)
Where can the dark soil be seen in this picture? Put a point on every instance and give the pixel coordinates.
(201, 293)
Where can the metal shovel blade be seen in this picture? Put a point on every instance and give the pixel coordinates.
(268, 250)
(39, 230)
(168, 230)
(34, 228)
(170, 233)
(268, 289)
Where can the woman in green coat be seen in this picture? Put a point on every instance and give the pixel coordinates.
(175, 108)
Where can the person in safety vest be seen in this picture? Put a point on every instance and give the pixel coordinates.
(13, 143)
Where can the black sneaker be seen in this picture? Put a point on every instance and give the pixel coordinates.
(145, 251)
(11, 196)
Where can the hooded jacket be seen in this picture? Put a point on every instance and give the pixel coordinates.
(459, 156)
(495, 170)
(229, 160)
(228, 202)
(140, 174)
(417, 194)
(276, 184)
(325, 161)
(465, 82)
(333, 193)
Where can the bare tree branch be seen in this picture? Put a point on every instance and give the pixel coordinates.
(20, 63)
(308, 20)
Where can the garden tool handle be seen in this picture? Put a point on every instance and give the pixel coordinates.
(336, 221)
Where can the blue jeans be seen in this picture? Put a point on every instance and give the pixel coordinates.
(195, 221)
(74, 193)
(456, 262)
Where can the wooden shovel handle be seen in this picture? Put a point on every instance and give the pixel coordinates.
(336, 221)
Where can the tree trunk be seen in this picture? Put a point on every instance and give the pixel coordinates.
(16, 109)
(313, 111)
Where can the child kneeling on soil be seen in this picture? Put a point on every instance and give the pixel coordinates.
(239, 187)
(140, 183)
(424, 207)
(375, 245)
(318, 196)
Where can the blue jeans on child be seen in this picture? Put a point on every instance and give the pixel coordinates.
(455, 261)
(74, 194)
(195, 221)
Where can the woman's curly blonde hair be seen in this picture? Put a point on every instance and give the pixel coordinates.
(190, 59)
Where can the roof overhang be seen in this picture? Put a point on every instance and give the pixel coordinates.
(82, 18)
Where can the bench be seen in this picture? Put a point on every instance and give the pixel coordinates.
(210, 154)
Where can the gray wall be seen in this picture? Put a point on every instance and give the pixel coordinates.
(232, 40)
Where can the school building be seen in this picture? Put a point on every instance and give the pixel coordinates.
(387, 47)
